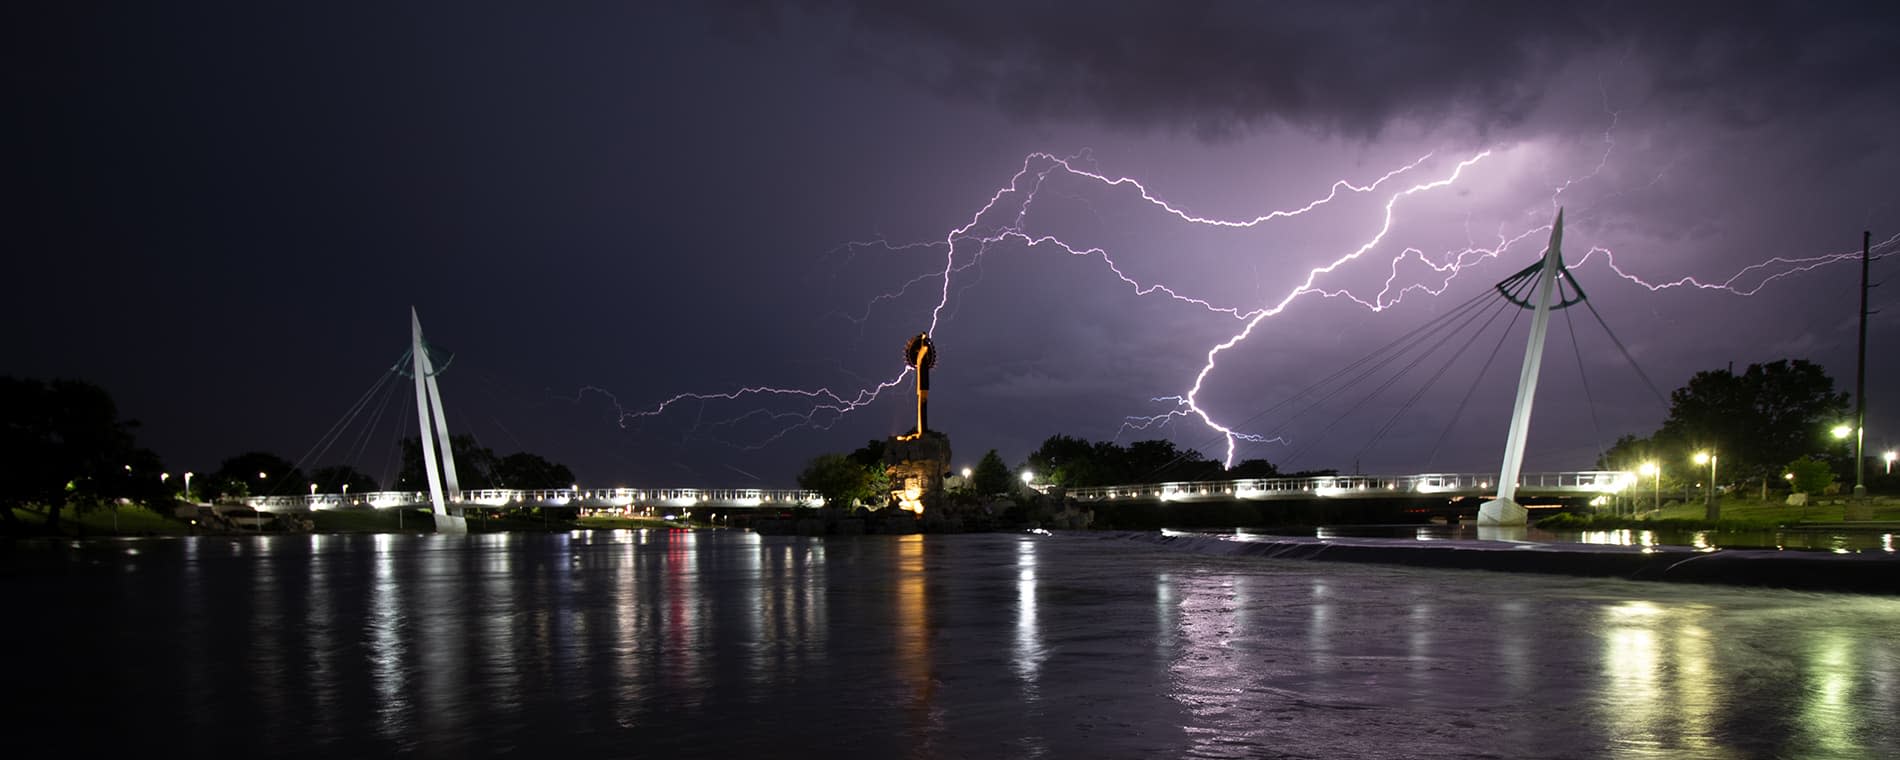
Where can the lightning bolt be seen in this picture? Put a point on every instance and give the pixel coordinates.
(1003, 220)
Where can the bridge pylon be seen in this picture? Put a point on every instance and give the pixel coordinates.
(1504, 510)
(434, 434)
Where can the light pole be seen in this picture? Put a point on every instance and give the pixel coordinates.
(346, 494)
(188, 487)
(1889, 456)
(1711, 511)
(1650, 469)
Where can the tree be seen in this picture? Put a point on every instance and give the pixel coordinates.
(524, 470)
(332, 479)
(840, 480)
(63, 445)
(1770, 414)
(871, 454)
(991, 476)
(1253, 468)
(1160, 461)
(1810, 475)
(1068, 461)
(254, 473)
(474, 465)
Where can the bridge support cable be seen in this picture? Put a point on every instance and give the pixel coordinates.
(331, 436)
(1459, 412)
(1378, 356)
(1466, 312)
(1584, 375)
(1425, 351)
(392, 462)
(1660, 398)
(359, 447)
(1430, 383)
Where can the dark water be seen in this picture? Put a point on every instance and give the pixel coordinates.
(664, 644)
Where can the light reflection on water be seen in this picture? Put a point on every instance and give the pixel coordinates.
(1800, 538)
(670, 644)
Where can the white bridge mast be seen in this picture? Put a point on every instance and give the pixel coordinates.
(429, 407)
(1504, 510)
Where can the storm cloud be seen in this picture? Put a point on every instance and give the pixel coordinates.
(1219, 69)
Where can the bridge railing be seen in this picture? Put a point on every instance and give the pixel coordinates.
(550, 497)
(1585, 481)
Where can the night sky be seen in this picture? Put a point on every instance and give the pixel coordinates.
(223, 213)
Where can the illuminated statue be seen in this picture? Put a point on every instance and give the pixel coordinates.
(921, 354)
(916, 461)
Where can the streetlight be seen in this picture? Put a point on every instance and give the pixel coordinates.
(1843, 431)
(188, 486)
(1650, 469)
(1710, 510)
(1028, 476)
(313, 489)
(966, 470)
(1889, 456)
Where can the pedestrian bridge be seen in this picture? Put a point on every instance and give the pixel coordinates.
(1446, 485)
(575, 497)
(1443, 485)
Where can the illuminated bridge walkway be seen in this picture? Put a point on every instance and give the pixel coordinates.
(576, 497)
(1445, 485)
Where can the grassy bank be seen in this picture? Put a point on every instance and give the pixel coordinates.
(1737, 514)
(131, 520)
(420, 521)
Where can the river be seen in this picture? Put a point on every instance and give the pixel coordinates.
(726, 644)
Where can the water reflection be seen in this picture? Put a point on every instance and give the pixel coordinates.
(913, 642)
(1659, 692)
(1028, 654)
(386, 643)
(1803, 538)
(675, 644)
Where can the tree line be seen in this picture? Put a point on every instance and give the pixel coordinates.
(63, 446)
(1062, 460)
(1770, 421)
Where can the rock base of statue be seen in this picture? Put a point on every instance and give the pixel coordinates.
(916, 466)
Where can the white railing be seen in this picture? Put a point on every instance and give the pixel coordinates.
(1453, 484)
(590, 498)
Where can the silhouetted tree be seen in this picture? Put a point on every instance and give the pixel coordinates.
(474, 465)
(871, 454)
(1253, 468)
(991, 476)
(253, 473)
(332, 479)
(524, 470)
(1756, 421)
(62, 445)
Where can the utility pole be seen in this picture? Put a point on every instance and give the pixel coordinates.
(1860, 379)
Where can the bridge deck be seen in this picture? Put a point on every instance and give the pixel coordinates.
(1449, 485)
